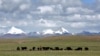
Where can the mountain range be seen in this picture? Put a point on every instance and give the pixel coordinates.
(18, 33)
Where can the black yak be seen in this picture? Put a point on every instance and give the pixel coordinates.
(18, 48)
(79, 49)
(23, 48)
(68, 48)
(86, 48)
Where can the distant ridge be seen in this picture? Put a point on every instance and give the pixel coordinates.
(15, 32)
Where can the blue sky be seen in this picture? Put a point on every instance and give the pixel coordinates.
(38, 15)
(88, 1)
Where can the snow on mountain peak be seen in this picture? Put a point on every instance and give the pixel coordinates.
(37, 32)
(15, 30)
(64, 30)
(61, 31)
(48, 31)
(58, 32)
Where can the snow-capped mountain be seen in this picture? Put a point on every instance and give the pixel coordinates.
(64, 30)
(50, 31)
(14, 33)
(18, 33)
(61, 31)
(15, 30)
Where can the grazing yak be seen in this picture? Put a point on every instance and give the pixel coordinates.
(79, 49)
(86, 48)
(50, 48)
(45, 48)
(33, 48)
(18, 48)
(57, 48)
(23, 48)
(68, 48)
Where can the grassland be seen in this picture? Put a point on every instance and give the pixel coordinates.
(8, 46)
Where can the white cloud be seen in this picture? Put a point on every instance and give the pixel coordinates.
(71, 14)
(98, 16)
(1, 2)
(71, 10)
(75, 17)
(50, 9)
(2, 31)
(78, 25)
(3, 26)
(63, 2)
(83, 18)
(16, 1)
(24, 6)
(23, 23)
(29, 16)
(71, 2)
(92, 18)
(9, 22)
(46, 23)
(46, 9)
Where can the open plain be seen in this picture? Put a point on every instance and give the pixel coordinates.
(8, 46)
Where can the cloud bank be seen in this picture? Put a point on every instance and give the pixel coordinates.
(74, 15)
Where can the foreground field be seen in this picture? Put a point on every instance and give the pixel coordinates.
(8, 46)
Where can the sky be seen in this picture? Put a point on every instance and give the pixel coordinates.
(38, 15)
(88, 1)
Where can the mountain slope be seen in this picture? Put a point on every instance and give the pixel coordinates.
(48, 31)
(62, 30)
(15, 30)
(59, 31)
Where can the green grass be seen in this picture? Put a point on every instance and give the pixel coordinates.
(8, 46)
